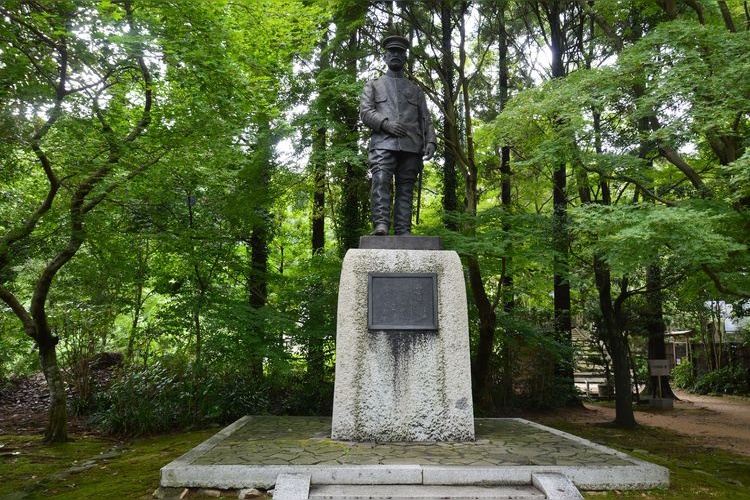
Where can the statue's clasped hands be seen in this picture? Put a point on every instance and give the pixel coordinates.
(398, 130)
(395, 128)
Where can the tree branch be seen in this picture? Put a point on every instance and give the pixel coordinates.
(650, 193)
(698, 8)
(18, 309)
(75, 240)
(140, 127)
(131, 175)
(587, 7)
(720, 286)
(21, 21)
(676, 159)
(727, 16)
(21, 232)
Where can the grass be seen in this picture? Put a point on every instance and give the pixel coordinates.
(97, 467)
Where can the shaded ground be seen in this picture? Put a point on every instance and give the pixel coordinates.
(719, 422)
(714, 422)
(95, 466)
(24, 403)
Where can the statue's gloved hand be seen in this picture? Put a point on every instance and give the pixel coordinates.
(394, 128)
(429, 151)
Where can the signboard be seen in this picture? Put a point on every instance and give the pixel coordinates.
(658, 367)
(402, 301)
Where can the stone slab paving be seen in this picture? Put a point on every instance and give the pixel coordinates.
(255, 449)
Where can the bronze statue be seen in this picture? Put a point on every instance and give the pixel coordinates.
(402, 136)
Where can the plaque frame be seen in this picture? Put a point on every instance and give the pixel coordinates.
(429, 326)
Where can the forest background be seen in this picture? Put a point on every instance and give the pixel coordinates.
(180, 180)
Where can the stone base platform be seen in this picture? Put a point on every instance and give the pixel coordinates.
(661, 403)
(252, 452)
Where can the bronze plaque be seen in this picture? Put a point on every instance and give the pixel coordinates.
(402, 301)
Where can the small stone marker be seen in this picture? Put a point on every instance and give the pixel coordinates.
(291, 487)
(555, 486)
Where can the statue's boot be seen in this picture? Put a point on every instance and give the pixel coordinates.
(402, 208)
(380, 201)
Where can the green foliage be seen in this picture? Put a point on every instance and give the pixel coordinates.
(542, 360)
(683, 375)
(145, 401)
(731, 379)
(688, 235)
(17, 356)
(166, 268)
(171, 394)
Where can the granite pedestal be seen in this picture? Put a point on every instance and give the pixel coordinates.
(407, 382)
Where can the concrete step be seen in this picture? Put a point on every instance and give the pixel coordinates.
(547, 485)
(420, 491)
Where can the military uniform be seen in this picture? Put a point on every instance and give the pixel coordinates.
(397, 100)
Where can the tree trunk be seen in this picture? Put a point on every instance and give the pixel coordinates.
(347, 113)
(139, 300)
(319, 192)
(137, 307)
(653, 315)
(351, 211)
(560, 281)
(506, 278)
(259, 242)
(485, 345)
(315, 354)
(485, 307)
(258, 290)
(57, 423)
(450, 182)
(612, 321)
(197, 309)
(624, 416)
(726, 14)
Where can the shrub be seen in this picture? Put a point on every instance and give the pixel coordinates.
(168, 396)
(683, 375)
(144, 402)
(725, 380)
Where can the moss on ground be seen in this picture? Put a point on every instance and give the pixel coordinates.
(696, 472)
(97, 467)
(89, 466)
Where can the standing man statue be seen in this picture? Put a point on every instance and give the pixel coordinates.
(402, 135)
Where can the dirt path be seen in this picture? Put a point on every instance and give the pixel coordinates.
(720, 422)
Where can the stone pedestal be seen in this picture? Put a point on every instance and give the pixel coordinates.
(661, 403)
(402, 385)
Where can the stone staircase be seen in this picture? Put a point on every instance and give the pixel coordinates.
(551, 486)
(589, 372)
